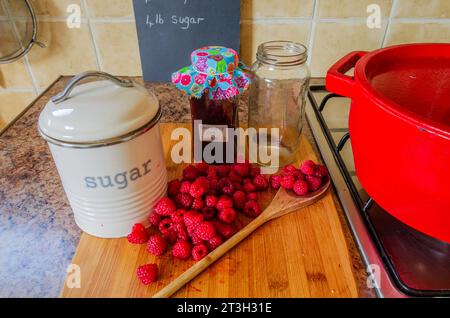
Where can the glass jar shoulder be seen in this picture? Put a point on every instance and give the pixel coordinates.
(263, 70)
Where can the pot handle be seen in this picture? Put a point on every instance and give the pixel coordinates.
(336, 80)
(65, 94)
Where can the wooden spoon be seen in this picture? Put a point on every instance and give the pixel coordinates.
(283, 203)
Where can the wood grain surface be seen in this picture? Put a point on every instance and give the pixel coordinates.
(302, 254)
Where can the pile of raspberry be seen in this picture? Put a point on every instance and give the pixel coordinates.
(308, 178)
(201, 210)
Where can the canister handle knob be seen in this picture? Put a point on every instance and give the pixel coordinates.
(65, 94)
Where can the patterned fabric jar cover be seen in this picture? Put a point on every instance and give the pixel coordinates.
(215, 69)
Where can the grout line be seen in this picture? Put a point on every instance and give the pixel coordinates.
(25, 58)
(312, 31)
(421, 20)
(92, 32)
(112, 20)
(46, 18)
(31, 72)
(18, 90)
(389, 22)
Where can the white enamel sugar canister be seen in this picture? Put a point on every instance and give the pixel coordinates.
(105, 140)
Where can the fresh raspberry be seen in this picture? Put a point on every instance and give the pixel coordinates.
(154, 218)
(321, 171)
(202, 168)
(288, 169)
(226, 186)
(239, 199)
(275, 182)
(298, 175)
(199, 187)
(138, 234)
(252, 196)
(301, 187)
(224, 202)
(234, 177)
(166, 226)
(252, 209)
(190, 173)
(261, 182)
(173, 187)
(227, 215)
(308, 167)
(192, 219)
(147, 274)
(314, 183)
(185, 187)
(225, 230)
(212, 172)
(213, 185)
(241, 169)
(156, 245)
(181, 250)
(255, 171)
(214, 242)
(195, 239)
(178, 216)
(181, 231)
(287, 181)
(165, 206)
(211, 201)
(223, 170)
(249, 187)
(247, 180)
(208, 213)
(199, 251)
(197, 204)
(238, 186)
(205, 230)
(184, 200)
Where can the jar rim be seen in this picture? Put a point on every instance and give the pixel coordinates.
(296, 53)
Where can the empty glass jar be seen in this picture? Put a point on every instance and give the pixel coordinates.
(277, 99)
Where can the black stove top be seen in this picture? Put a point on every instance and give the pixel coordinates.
(417, 264)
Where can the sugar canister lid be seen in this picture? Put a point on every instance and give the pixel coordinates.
(99, 112)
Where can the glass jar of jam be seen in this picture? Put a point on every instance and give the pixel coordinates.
(213, 82)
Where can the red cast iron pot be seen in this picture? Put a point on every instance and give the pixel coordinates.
(400, 130)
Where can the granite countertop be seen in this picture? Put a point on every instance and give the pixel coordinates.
(38, 235)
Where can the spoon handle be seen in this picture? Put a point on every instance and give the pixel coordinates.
(201, 265)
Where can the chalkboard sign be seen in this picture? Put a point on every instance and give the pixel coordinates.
(169, 30)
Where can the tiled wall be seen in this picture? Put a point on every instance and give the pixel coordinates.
(107, 38)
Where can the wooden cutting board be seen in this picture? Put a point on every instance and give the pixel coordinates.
(303, 254)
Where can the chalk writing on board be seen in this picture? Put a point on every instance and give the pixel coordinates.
(184, 22)
(169, 30)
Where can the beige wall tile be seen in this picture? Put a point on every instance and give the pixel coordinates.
(7, 39)
(15, 75)
(423, 9)
(332, 41)
(253, 34)
(418, 32)
(110, 8)
(69, 51)
(11, 104)
(119, 49)
(47, 7)
(276, 8)
(350, 8)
